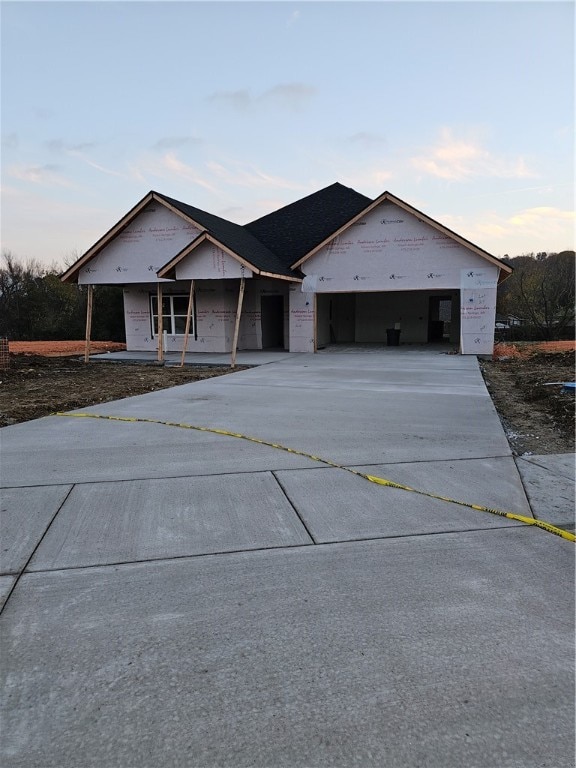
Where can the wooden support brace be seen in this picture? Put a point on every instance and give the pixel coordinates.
(160, 339)
(188, 318)
(89, 301)
(237, 325)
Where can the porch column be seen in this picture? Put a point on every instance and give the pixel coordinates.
(160, 338)
(89, 298)
(188, 318)
(237, 325)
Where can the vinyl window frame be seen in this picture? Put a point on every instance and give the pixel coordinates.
(174, 312)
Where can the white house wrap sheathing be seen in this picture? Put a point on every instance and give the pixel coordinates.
(208, 262)
(215, 312)
(478, 310)
(302, 311)
(392, 250)
(155, 236)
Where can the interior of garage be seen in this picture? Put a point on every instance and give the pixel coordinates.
(368, 317)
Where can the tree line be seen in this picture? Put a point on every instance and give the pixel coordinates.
(36, 305)
(540, 295)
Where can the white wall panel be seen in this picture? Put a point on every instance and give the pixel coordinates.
(208, 262)
(137, 318)
(216, 303)
(478, 310)
(389, 250)
(301, 322)
(135, 255)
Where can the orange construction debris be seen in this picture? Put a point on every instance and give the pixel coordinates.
(61, 348)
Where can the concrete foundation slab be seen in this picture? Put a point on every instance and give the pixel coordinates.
(445, 651)
(561, 464)
(549, 483)
(338, 506)
(491, 482)
(151, 519)
(88, 450)
(25, 514)
(6, 584)
(348, 427)
(363, 410)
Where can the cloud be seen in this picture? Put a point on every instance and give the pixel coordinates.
(78, 151)
(292, 96)
(39, 224)
(532, 220)
(370, 182)
(543, 228)
(248, 177)
(457, 159)
(170, 164)
(60, 146)
(48, 174)
(294, 18)
(175, 142)
(103, 169)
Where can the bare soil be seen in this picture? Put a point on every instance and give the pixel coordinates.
(62, 348)
(537, 415)
(525, 382)
(36, 385)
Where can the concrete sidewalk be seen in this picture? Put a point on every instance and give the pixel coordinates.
(183, 598)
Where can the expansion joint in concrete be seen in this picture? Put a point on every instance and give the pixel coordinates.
(298, 515)
(25, 566)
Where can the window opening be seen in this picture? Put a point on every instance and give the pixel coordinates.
(174, 311)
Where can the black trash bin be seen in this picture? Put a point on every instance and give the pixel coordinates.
(393, 337)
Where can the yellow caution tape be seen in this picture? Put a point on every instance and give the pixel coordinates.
(372, 478)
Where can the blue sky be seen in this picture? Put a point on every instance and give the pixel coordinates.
(463, 109)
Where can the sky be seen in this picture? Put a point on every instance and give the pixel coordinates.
(462, 109)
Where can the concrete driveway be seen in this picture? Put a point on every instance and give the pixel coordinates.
(182, 598)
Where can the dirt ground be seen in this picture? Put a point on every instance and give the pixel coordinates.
(62, 348)
(537, 415)
(525, 382)
(37, 385)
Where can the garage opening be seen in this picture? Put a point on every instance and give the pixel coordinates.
(421, 316)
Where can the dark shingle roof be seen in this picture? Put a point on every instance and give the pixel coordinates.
(234, 236)
(296, 229)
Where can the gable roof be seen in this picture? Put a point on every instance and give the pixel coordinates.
(277, 244)
(505, 269)
(293, 231)
(72, 271)
(233, 238)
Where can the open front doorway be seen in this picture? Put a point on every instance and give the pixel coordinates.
(272, 319)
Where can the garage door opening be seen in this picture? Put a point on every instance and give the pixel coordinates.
(364, 318)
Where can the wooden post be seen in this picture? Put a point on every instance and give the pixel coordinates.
(88, 323)
(188, 317)
(237, 325)
(160, 324)
(315, 305)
